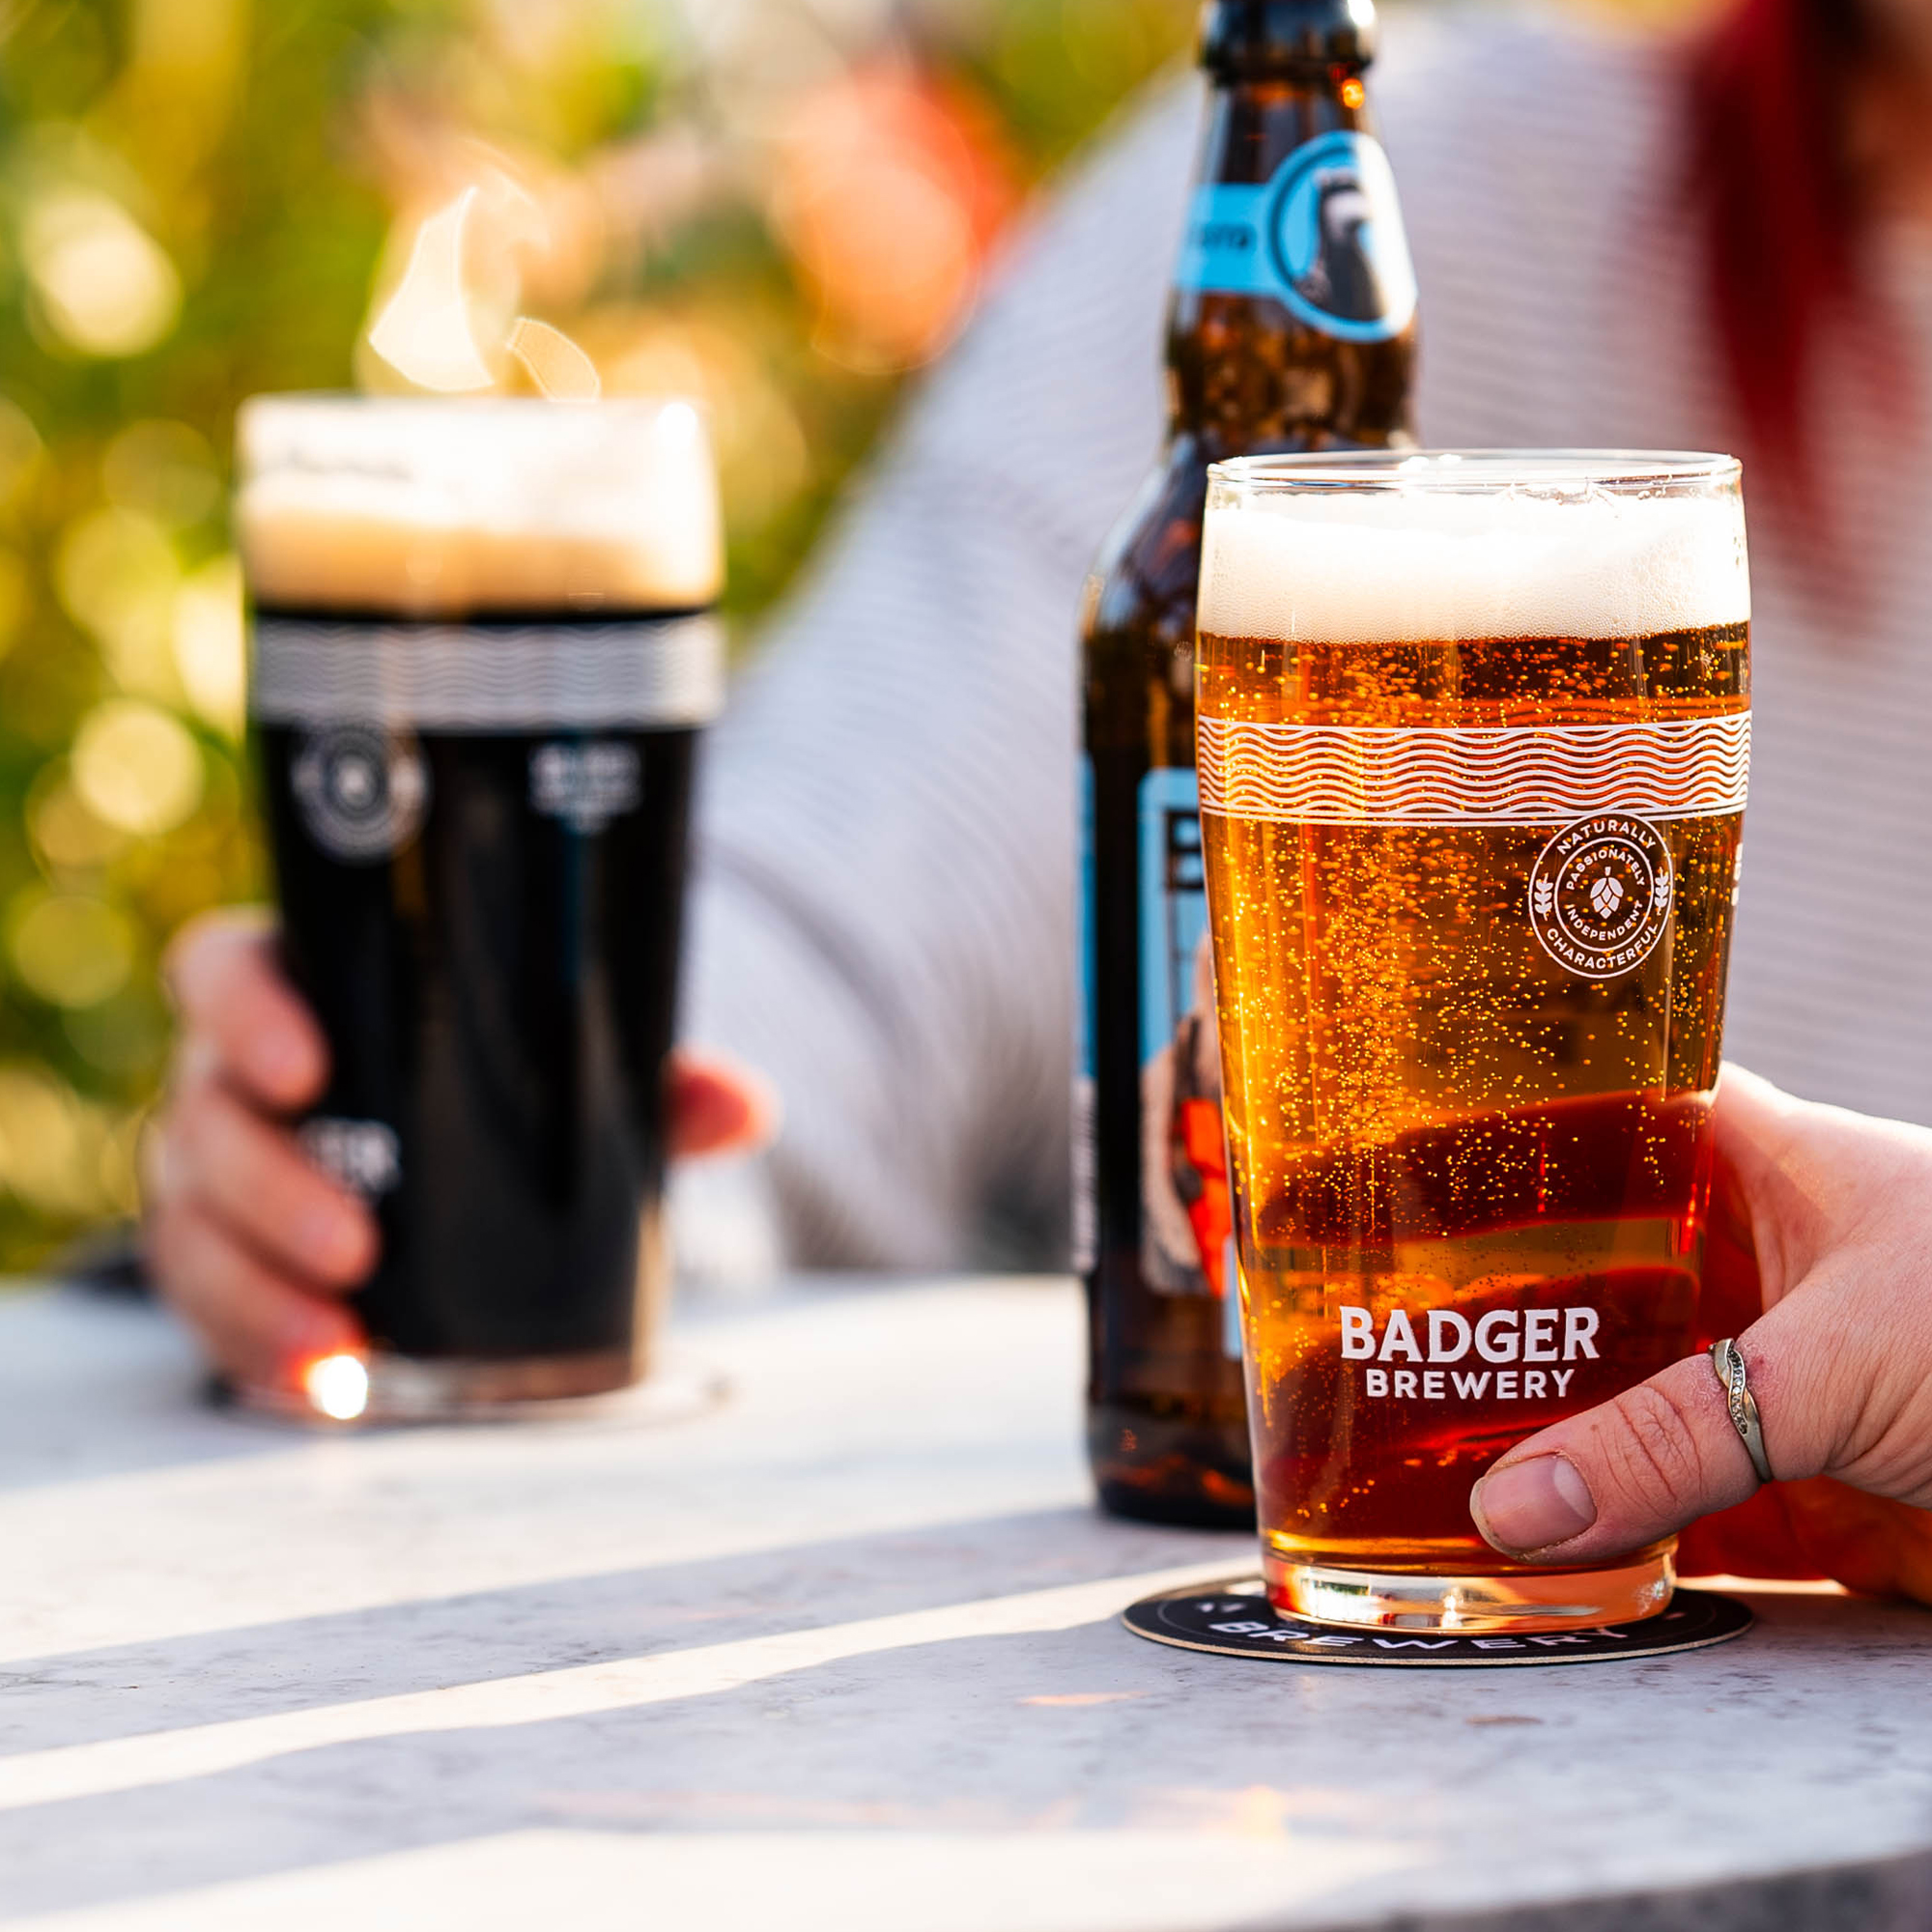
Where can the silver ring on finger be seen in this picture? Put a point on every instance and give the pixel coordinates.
(1728, 1360)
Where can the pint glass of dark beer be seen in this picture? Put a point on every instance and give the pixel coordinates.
(1473, 738)
(482, 653)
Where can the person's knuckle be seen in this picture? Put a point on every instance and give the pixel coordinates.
(223, 1157)
(194, 953)
(1654, 1459)
(197, 1062)
(193, 1130)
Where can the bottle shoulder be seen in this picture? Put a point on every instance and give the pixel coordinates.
(1147, 571)
(1154, 547)
(1137, 635)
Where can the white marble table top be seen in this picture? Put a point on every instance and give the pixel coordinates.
(839, 1655)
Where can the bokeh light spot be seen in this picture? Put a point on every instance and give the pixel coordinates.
(55, 1146)
(136, 768)
(210, 645)
(70, 950)
(67, 837)
(105, 285)
(890, 191)
(117, 575)
(338, 1387)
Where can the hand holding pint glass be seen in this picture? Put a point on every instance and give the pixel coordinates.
(482, 655)
(1473, 735)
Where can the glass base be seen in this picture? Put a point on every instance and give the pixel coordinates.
(1524, 1600)
(395, 1389)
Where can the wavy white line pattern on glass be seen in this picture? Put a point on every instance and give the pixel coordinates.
(1524, 775)
(660, 673)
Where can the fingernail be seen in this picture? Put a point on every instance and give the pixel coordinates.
(1530, 1505)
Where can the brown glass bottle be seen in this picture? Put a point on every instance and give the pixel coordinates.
(1292, 327)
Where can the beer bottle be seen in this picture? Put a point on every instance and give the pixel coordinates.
(1292, 327)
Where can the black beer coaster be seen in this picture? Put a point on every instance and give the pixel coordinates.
(1236, 1619)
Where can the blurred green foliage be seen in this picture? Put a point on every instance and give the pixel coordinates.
(198, 199)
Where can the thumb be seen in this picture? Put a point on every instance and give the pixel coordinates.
(719, 1106)
(1836, 1363)
(1625, 1474)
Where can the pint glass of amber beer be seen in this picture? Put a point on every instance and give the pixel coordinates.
(1473, 735)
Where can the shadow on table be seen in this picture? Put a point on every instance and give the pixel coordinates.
(479, 1637)
(1335, 1790)
(1888, 1895)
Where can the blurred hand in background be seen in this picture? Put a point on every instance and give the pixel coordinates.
(245, 1235)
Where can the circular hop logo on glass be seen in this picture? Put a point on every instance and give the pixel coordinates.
(362, 792)
(1600, 896)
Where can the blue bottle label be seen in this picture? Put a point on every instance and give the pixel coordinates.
(1324, 237)
(1174, 969)
(1187, 1242)
(1184, 1197)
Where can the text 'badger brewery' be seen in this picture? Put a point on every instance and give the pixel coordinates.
(482, 653)
(1473, 763)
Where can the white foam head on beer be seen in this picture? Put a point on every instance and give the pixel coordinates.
(437, 507)
(1554, 558)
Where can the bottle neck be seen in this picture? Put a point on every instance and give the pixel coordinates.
(1256, 360)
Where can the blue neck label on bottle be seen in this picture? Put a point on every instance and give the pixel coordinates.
(1323, 238)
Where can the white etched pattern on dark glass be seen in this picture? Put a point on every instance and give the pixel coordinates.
(453, 677)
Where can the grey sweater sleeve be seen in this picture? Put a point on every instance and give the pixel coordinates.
(882, 913)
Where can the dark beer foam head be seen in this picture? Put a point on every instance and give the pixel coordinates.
(1388, 564)
(441, 508)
